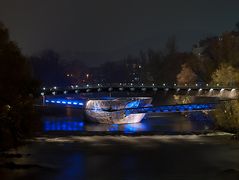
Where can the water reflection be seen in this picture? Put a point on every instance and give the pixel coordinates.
(157, 123)
(61, 124)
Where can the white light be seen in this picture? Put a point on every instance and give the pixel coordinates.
(164, 84)
(206, 84)
(217, 84)
(189, 89)
(98, 84)
(153, 84)
(87, 85)
(54, 93)
(65, 92)
(77, 86)
(196, 84)
(142, 84)
(42, 94)
(55, 87)
(178, 89)
(185, 84)
(175, 84)
(44, 88)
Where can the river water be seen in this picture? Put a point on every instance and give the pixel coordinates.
(71, 121)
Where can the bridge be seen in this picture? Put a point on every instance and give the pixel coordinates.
(130, 87)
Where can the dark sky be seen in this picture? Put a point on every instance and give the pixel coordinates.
(109, 29)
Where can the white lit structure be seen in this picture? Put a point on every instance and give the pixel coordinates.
(116, 110)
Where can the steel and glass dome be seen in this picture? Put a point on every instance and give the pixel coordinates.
(116, 110)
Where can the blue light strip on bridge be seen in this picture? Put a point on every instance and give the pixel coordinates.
(65, 102)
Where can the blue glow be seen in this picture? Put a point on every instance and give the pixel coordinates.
(133, 104)
(78, 102)
(50, 125)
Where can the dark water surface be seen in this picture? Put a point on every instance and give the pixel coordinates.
(61, 152)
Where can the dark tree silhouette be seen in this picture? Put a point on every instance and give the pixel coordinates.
(17, 90)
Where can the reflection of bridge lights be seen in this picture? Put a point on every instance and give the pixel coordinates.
(52, 125)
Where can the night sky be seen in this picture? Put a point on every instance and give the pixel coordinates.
(110, 29)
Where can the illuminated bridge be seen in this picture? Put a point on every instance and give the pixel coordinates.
(97, 88)
(122, 110)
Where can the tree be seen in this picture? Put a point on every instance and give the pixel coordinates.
(17, 91)
(226, 75)
(186, 76)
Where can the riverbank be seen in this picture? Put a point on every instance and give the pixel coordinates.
(212, 156)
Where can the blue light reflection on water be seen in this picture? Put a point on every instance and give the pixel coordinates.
(63, 125)
(72, 125)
